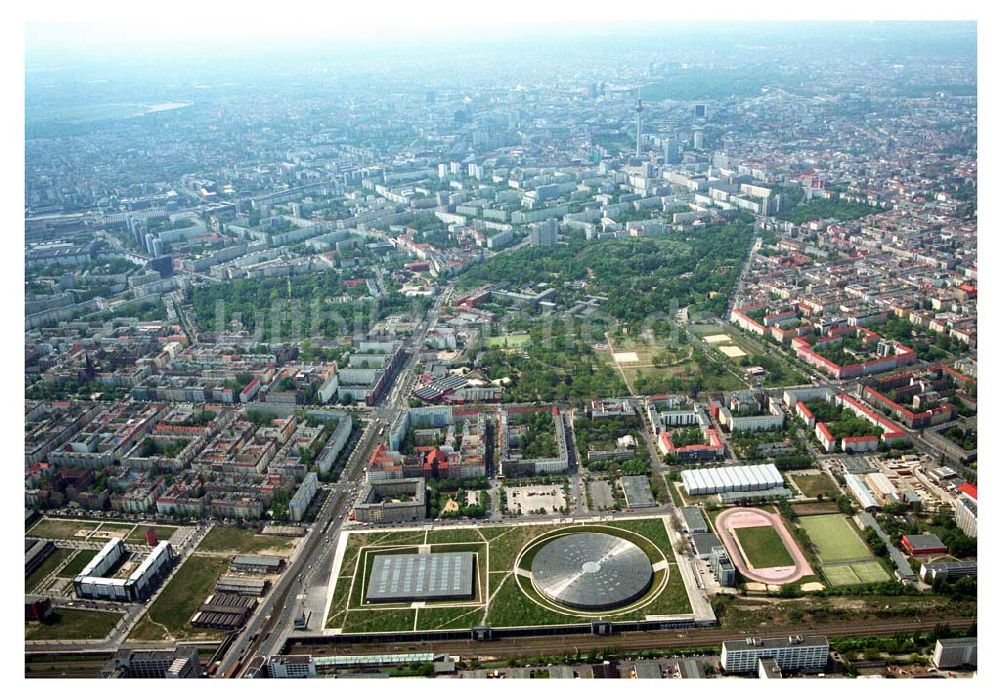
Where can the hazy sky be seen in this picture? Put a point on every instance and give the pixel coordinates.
(118, 28)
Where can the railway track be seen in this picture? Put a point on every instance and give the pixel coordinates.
(633, 641)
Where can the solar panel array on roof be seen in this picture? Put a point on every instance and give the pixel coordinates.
(401, 577)
(717, 480)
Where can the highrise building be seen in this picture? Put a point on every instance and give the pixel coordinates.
(671, 151)
(545, 233)
(698, 138)
(638, 126)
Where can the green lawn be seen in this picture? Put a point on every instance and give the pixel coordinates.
(763, 547)
(117, 528)
(707, 329)
(816, 484)
(240, 541)
(835, 538)
(674, 598)
(840, 575)
(406, 537)
(163, 532)
(76, 564)
(456, 535)
(48, 566)
(172, 610)
(399, 620)
(509, 341)
(870, 572)
(70, 624)
(511, 609)
(457, 617)
(682, 377)
(53, 529)
(338, 605)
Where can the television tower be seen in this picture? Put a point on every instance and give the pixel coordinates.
(638, 124)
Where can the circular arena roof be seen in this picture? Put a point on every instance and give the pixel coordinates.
(591, 571)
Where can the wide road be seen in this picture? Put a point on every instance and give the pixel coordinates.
(278, 609)
(631, 641)
(280, 604)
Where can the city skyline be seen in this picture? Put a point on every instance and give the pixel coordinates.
(555, 348)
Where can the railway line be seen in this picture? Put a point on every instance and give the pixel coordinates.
(633, 641)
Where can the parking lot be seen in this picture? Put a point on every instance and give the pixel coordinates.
(601, 496)
(525, 499)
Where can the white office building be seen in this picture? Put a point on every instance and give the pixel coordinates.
(139, 585)
(791, 653)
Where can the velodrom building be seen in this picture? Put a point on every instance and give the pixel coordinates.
(591, 571)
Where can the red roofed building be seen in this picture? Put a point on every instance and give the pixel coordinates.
(970, 490)
(859, 444)
(712, 449)
(825, 437)
(745, 322)
(806, 350)
(384, 464)
(436, 463)
(805, 413)
(923, 545)
(891, 432)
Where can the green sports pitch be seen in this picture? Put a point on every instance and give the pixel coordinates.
(763, 547)
(844, 557)
(504, 595)
(835, 538)
(855, 573)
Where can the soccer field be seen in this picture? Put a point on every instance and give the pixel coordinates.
(835, 538)
(763, 547)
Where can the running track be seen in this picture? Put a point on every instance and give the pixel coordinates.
(735, 518)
